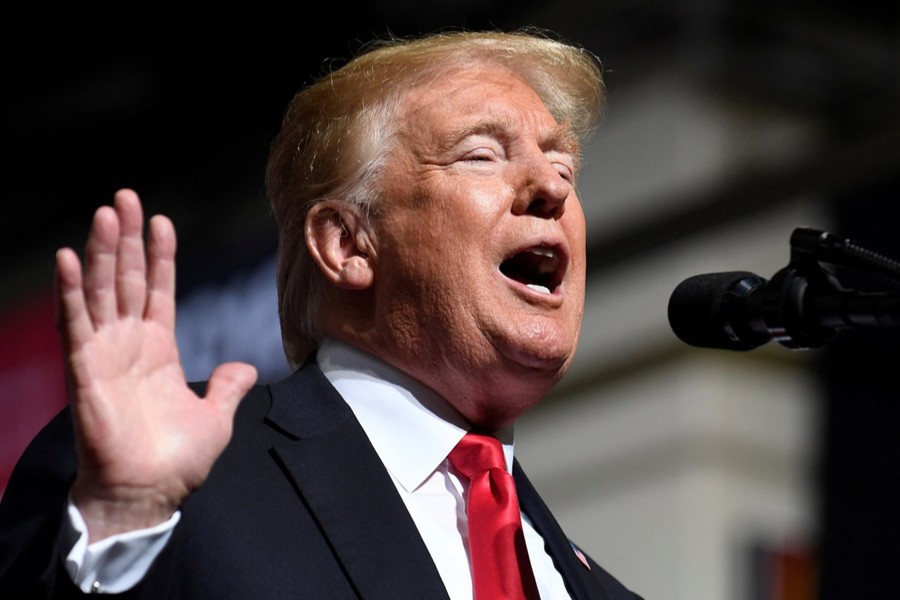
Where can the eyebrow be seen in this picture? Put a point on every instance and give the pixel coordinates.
(563, 139)
(560, 138)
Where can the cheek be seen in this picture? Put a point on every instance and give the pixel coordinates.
(573, 219)
(486, 198)
(575, 229)
(463, 200)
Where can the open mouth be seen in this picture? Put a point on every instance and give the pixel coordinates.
(540, 268)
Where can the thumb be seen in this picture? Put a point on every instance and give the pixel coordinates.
(228, 384)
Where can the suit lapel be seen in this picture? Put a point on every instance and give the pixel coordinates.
(575, 572)
(345, 486)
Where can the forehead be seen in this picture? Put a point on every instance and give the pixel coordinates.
(484, 97)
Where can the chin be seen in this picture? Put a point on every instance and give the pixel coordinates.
(541, 360)
(543, 348)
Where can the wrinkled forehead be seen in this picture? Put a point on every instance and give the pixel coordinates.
(486, 99)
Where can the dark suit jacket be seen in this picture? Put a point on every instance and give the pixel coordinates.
(298, 506)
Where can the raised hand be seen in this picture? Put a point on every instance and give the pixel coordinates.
(144, 439)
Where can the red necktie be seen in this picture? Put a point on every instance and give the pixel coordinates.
(500, 566)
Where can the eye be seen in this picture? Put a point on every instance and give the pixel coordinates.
(479, 148)
(564, 166)
(480, 155)
(565, 171)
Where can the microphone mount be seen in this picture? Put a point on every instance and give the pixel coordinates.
(803, 306)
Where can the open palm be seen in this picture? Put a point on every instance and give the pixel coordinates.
(145, 440)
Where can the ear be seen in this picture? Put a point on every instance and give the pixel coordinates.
(340, 244)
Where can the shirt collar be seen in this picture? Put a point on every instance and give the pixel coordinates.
(411, 427)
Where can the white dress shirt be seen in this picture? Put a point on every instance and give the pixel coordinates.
(411, 428)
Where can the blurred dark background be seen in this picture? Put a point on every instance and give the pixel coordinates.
(181, 105)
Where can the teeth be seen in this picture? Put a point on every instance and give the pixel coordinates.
(538, 288)
(545, 266)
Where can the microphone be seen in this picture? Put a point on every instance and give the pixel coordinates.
(799, 308)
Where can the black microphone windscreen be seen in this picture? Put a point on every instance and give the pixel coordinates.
(697, 310)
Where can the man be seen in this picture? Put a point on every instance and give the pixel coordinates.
(431, 283)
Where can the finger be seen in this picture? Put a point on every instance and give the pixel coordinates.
(131, 279)
(72, 318)
(161, 272)
(100, 266)
(228, 385)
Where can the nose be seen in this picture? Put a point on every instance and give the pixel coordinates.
(543, 191)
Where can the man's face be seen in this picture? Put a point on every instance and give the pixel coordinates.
(480, 265)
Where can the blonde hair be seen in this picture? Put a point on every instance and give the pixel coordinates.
(338, 131)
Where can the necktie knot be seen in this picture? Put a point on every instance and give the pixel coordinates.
(477, 453)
